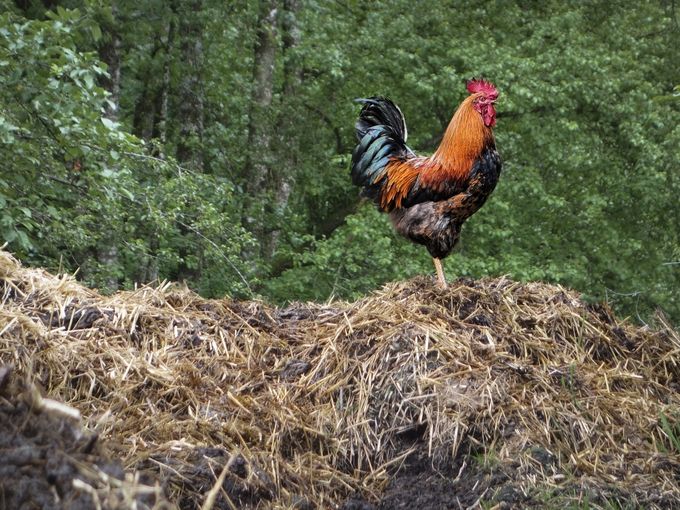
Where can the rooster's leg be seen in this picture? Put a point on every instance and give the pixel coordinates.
(440, 272)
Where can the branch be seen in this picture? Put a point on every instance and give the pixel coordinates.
(54, 178)
(179, 167)
(233, 266)
(339, 146)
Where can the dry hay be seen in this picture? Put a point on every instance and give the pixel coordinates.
(46, 456)
(496, 392)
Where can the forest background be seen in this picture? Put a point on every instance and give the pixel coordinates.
(209, 142)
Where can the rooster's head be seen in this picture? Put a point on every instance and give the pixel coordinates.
(486, 95)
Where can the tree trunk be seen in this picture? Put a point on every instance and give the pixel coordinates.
(190, 114)
(191, 102)
(142, 120)
(109, 51)
(281, 177)
(260, 125)
(145, 110)
(165, 89)
(160, 129)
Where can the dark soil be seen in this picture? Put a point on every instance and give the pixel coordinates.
(479, 480)
(418, 483)
(42, 453)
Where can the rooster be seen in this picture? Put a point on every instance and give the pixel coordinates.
(429, 198)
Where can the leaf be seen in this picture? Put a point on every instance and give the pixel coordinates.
(96, 32)
(109, 123)
(89, 80)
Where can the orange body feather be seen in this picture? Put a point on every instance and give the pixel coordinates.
(462, 143)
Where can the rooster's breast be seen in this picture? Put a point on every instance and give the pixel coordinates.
(426, 224)
(437, 224)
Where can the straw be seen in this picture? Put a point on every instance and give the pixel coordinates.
(312, 404)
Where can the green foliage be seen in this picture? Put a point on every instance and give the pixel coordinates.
(76, 183)
(587, 127)
(190, 219)
(590, 185)
(336, 267)
(671, 429)
(54, 142)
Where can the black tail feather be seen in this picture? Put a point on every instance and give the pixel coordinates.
(381, 132)
(380, 111)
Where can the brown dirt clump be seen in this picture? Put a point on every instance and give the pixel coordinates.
(49, 461)
(491, 393)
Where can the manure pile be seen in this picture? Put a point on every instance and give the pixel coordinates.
(491, 394)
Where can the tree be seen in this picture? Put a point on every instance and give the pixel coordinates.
(238, 118)
(259, 156)
(190, 100)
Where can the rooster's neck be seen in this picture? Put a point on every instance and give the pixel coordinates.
(463, 142)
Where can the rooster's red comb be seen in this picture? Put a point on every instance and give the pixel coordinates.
(476, 85)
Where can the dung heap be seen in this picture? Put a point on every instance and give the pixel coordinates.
(491, 393)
